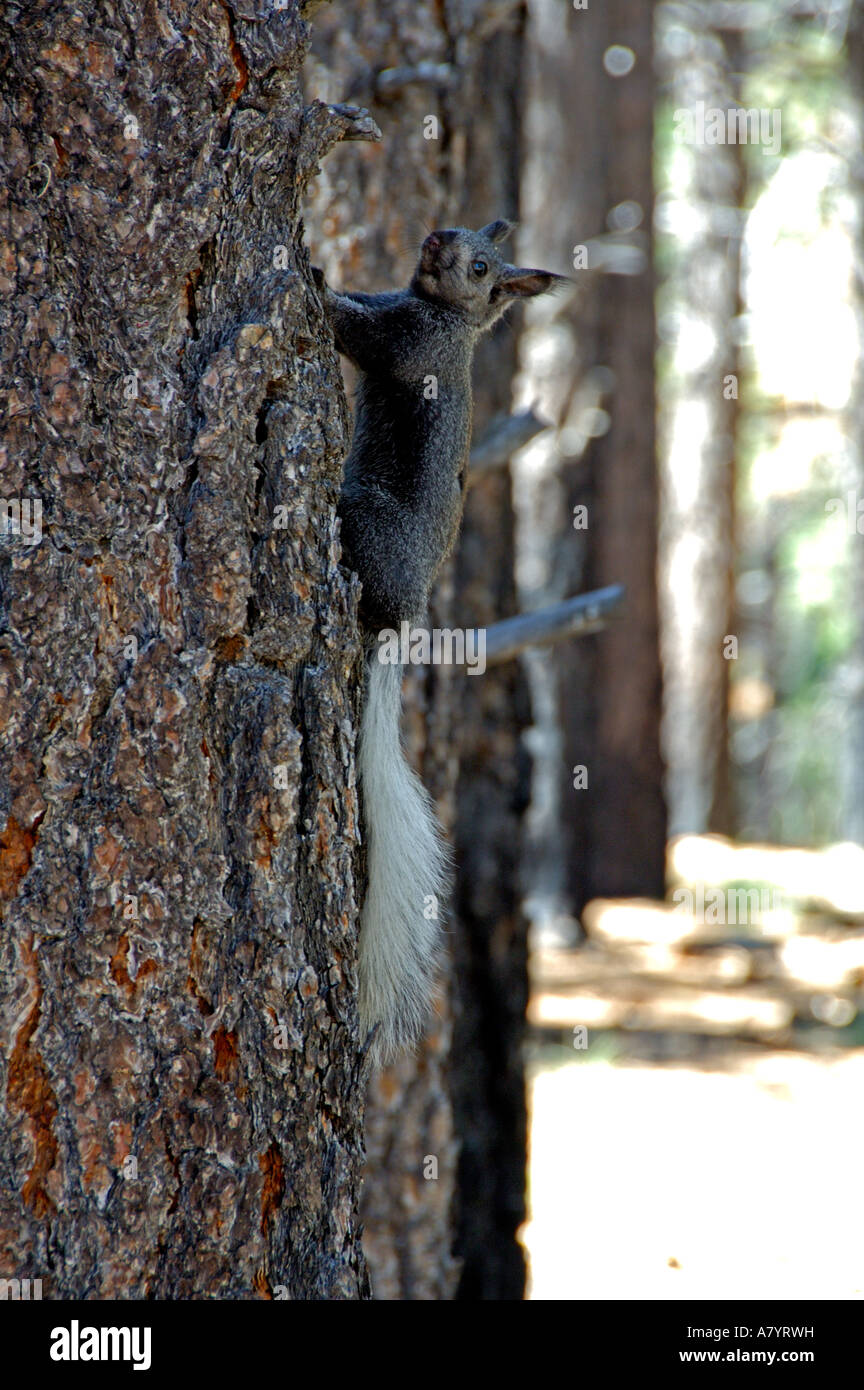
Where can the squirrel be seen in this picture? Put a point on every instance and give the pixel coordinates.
(400, 508)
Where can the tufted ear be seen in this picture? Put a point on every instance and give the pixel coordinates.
(498, 231)
(517, 283)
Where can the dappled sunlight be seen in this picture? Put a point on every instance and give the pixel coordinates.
(833, 877)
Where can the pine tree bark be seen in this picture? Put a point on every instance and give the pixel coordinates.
(443, 82)
(181, 1088)
(493, 791)
(367, 240)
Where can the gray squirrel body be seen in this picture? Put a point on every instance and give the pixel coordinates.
(400, 509)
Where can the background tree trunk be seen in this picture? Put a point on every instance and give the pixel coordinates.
(493, 793)
(410, 63)
(853, 788)
(700, 419)
(367, 239)
(588, 361)
(181, 1096)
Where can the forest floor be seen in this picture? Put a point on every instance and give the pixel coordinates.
(738, 1179)
(696, 1094)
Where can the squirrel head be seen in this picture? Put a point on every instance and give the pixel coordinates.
(465, 271)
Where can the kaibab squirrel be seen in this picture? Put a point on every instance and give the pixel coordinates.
(400, 509)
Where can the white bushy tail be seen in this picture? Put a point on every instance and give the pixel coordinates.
(407, 864)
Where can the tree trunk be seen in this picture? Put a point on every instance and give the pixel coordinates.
(444, 87)
(853, 788)
(367, 239)
(491, 946)
(182, 1094)
(590, 363)
(700, 419)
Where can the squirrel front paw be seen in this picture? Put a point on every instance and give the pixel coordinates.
(328, 297)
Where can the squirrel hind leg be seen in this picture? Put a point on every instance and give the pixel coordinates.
(380, 545)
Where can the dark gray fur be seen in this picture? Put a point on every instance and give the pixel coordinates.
(402, 498)
(400, 508)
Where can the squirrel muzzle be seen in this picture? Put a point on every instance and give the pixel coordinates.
(430, 251)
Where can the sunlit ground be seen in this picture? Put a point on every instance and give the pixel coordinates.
(672, 1183)
(733, 1170)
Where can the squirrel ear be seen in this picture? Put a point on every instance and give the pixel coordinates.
(523, 284)
(498, 231)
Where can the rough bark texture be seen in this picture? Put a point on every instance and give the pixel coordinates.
(181, 1095)
(366, 220)
(368, 230)
(491, 946)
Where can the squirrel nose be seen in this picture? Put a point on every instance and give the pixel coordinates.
(436, 240)
(430, 252)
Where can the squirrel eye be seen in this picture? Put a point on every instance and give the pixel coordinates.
(479, 267)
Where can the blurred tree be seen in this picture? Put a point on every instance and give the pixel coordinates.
(590, 363)
(853, 782)
(701, 306)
